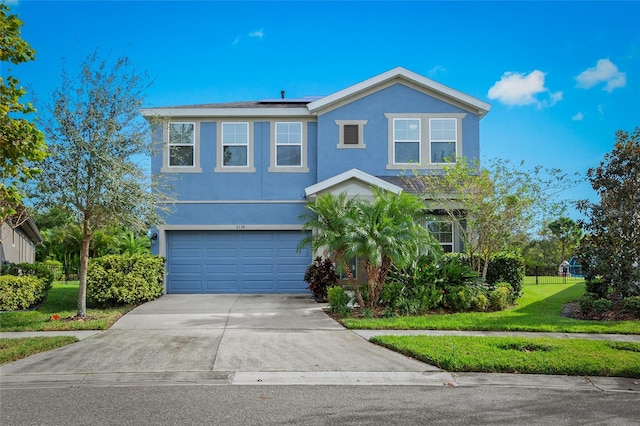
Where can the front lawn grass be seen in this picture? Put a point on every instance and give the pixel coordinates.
(574, 357)
(538, 310)
(62, 300)
(15, 349)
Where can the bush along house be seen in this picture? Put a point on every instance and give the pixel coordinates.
(244, 172)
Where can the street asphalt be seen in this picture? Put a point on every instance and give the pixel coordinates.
(255, 340)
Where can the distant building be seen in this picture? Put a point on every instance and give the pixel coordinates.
(18, 243)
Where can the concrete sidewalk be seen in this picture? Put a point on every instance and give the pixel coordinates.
(254, 340)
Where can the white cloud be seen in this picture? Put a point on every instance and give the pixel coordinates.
(438, 69)
(605, 71)
(521, 89)
(257, 34)
(578, 117)
(236, 41)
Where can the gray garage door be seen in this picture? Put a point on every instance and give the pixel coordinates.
(236, 262)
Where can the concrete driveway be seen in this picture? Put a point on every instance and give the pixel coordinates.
(209, 337)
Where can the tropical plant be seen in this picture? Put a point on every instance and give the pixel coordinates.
(320, 275)
(567, 232)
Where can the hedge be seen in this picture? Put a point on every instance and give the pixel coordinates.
(20, 292)
(119, 280)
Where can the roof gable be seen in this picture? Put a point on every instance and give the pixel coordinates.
(401, 75)
(348, 175)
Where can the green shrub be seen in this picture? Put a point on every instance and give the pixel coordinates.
(479, 302)
(508, 268)
(35, 269)
(586, 302)
(597, 286)
(601, 306)
(457, 298)
(338, 301)
(119, 280)
(631, 305)
(20, 292)
(320, 275)
(501, 297)
(427, 296)
(56, 267)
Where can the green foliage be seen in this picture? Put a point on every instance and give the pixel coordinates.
(37, 269)
(479, 302)
(13, 349)
(320, 275)
(457, 298)
(20, 292)
(499, 203)
(611, 248)
(118, 280)
(631, 305)
(592, 305)
(568, 232)
(380, 233)
(501, 297)
(56, 267)
(338, 301)
(21, 143)
(597, 286)
(509, 268)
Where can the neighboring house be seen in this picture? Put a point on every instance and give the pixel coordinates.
(245, 171)
(18, 243)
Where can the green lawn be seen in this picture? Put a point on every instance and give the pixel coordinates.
(14, 349)
(521, 355)
(62, 300)
(538, 310)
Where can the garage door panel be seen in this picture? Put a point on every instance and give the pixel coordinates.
(236, 261)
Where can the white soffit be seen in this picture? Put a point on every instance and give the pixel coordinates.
(399, 72)
(351, 174)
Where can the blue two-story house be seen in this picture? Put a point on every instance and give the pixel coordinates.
(244, 172)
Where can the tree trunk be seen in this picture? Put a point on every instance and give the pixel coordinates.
(84, 264)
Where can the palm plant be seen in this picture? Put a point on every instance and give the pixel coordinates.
(380, 233)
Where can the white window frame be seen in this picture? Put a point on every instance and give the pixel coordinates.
(397, 141)
(433, 140)
(167, 167)
(425, 134)
(341, 125)
(220, 166)
(273, 156)
(288, 144)
(453, 234)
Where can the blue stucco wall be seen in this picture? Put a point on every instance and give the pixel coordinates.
(397, 98)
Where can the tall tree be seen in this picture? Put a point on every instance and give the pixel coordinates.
(611, 248)
(21, 143)
(492, 206)
(567, 231)
(96, 139)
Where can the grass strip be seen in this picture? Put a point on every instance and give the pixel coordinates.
(575, 357)
(15, 349)
(61, 301)
(538, 310)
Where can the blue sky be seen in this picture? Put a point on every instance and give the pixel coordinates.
(562, 77)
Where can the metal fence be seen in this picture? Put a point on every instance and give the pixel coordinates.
(569, 274)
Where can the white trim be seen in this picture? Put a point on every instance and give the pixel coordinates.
(482, 108)
(231, 227)
(250, 166)
(412, 141)
(236, 202)
(351, 174)
(273, 148)
(224, 112)
(166, 149)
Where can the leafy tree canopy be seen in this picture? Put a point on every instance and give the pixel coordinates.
(21, 143)
(611, 248)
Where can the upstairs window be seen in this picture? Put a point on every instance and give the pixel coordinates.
(235, 144)
(181, 144)
(406, 140)
(442, 231)
(288, 144)
(443, 140)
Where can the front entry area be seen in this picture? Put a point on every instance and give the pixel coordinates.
(236, 262)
